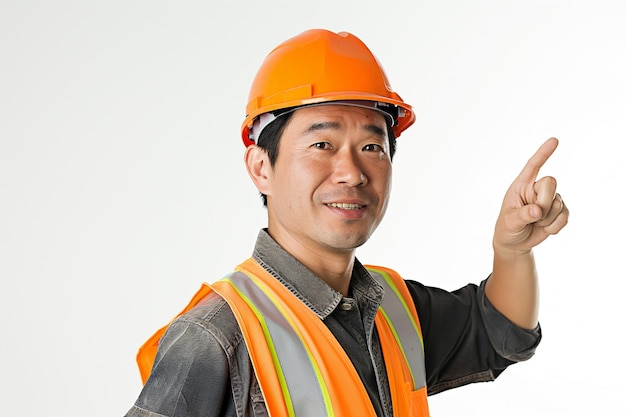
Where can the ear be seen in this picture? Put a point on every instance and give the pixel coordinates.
(259, 168)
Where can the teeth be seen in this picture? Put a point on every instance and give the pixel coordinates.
(345, 206)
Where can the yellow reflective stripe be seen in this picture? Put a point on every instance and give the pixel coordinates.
(395, 335)
(403, 302)
(403, 326)
(320, 379)
(299, 374)
(270, 345)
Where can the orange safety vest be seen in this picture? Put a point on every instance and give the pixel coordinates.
(311, 373)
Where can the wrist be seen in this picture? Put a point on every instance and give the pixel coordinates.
(505, 251)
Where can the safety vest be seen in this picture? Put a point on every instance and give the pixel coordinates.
(310, 373)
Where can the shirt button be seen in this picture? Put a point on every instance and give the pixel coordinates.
(346, 305)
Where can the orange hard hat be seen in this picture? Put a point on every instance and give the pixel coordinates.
(319, 66)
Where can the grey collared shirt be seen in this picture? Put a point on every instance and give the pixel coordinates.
(202, 368)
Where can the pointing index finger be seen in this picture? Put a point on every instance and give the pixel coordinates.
(534, 164)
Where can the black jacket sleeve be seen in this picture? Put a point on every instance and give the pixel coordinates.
(466, 339)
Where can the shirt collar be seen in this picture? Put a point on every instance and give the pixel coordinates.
(307, 286)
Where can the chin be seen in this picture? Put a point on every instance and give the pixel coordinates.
(348, 241)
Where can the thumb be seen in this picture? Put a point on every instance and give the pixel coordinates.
(528, 214)
(517, 219)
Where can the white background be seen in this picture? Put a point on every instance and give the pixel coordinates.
(122, 185)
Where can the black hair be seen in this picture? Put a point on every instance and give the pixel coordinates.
(269, 140)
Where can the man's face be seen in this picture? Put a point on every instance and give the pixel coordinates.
(329, 187)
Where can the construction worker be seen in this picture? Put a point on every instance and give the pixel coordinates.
(302, 328)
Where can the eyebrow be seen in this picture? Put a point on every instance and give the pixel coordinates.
(316, 127)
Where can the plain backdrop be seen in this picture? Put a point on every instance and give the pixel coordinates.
(122, 185)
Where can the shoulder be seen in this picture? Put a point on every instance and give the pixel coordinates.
(465, 295)
(201, 366)
(211, 318)
(205, 340)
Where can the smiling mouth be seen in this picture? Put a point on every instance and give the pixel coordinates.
(345, 206)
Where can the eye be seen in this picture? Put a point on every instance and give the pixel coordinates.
(373, 147)
(322, 145)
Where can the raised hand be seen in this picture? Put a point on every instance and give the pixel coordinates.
(532, 210)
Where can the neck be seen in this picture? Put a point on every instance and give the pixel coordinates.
(332, 266)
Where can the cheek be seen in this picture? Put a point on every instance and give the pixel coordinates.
(300, 181)
(383, 180)
(310, 173)
(385, 192)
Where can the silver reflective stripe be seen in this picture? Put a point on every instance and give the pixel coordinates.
(406, 333)
(301, 379)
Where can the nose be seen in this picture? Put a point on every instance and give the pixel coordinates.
(348, 169)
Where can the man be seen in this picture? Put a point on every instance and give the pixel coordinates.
(303, 328)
